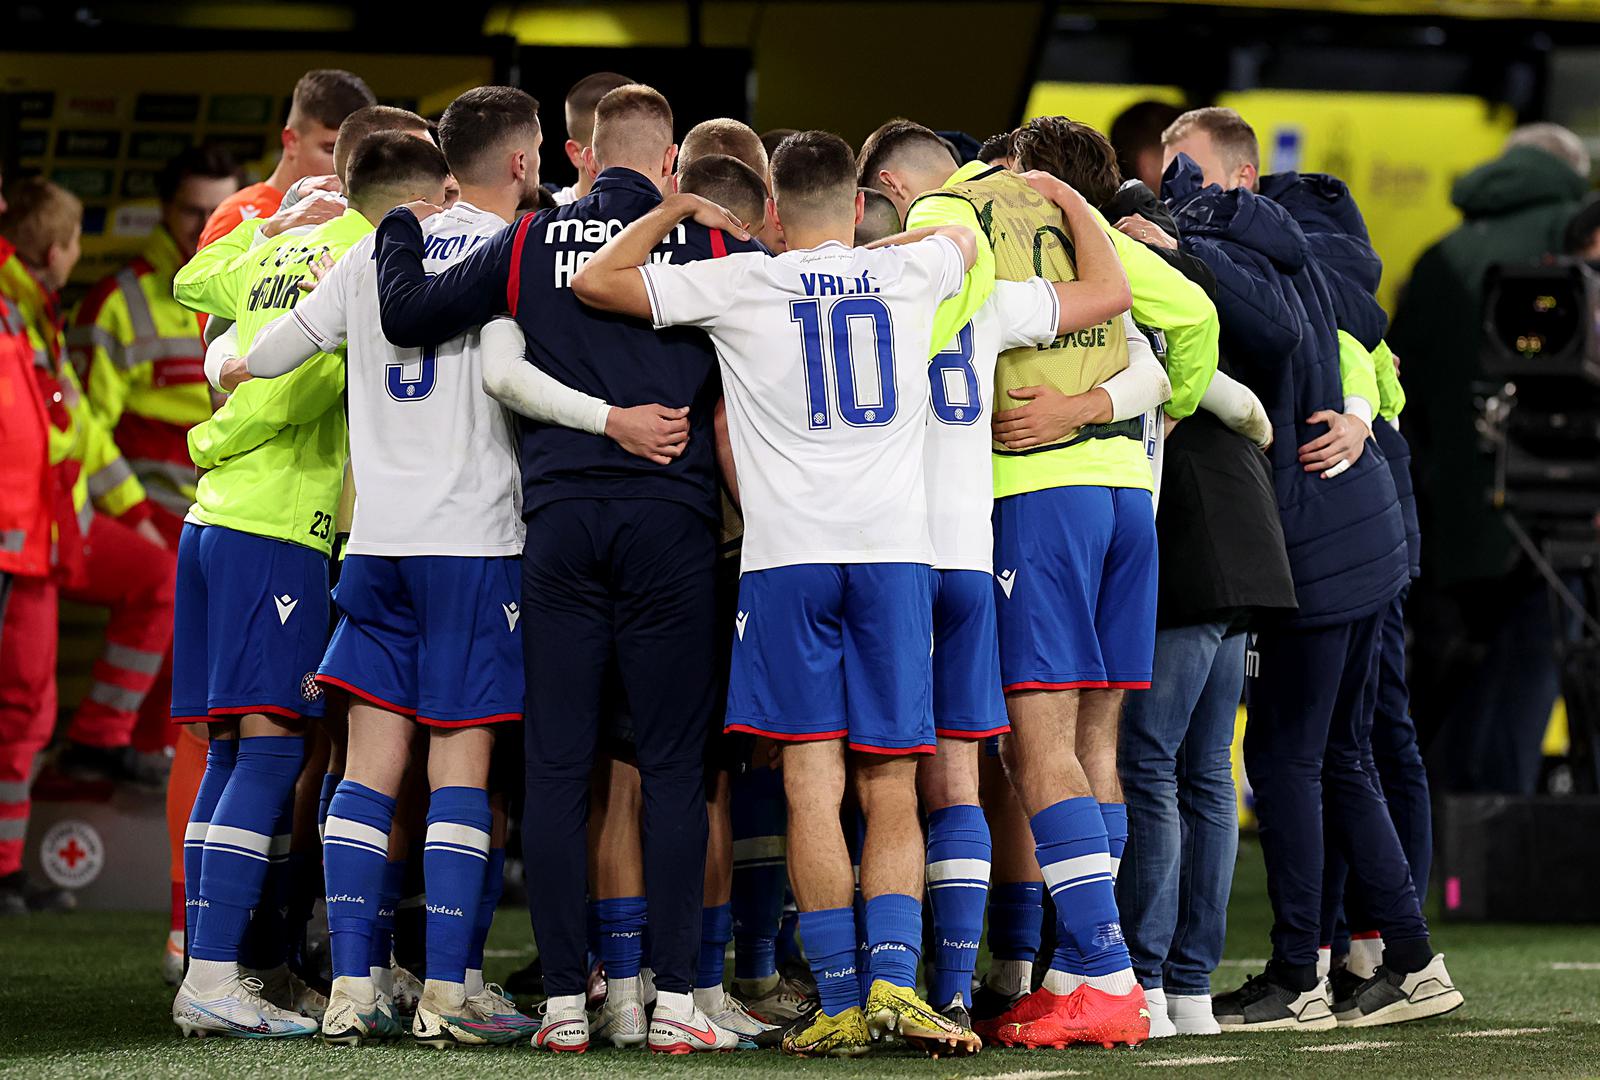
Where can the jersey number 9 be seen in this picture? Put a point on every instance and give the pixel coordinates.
(415, 388)
(858, 405)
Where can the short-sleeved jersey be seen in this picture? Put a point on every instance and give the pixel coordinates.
(960, 478)
(823, 354)
(434, 456)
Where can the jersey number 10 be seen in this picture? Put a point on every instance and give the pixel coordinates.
(848, 393)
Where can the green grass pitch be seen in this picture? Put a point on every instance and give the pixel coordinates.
(80, 997)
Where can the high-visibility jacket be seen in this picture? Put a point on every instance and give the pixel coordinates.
(141, 358)
(26, 484)
(87, 462)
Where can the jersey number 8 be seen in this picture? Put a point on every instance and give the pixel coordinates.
(955, 383)
(858, 405)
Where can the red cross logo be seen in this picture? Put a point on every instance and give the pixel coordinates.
(72, 853)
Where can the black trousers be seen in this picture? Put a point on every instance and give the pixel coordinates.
(634, 579)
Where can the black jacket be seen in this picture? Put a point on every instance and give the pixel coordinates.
(1221, 541)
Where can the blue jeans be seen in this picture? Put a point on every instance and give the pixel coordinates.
(1183, 825)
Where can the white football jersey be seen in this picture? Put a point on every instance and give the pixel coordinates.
(434, 457)
(824, 368)
(960, 478)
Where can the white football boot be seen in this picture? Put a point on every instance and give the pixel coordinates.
(284, 989)
(621, 1021)
(678, 1026)
(565, 1026)
(236, 1009)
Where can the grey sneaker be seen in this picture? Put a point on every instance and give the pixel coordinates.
(1391, 998)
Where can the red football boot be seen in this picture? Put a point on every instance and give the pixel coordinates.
(1028, 1008)
(1087, 1015)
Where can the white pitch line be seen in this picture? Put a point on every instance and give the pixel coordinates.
(1573, 965)
(1334, 1048)
(1204, 1059)
(1497, 1033)
(504, 954)
(1249, 962)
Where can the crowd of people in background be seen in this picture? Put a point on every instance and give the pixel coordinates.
(848, 657)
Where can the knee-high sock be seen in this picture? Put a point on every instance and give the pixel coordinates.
(830, 937)
(494, 882)
(330, 784)
(894, 936)
(266, 942)
(238, 847)
(220, 757)
(355, 858)
(455, 857)
(620, 920)
(382, 943)
(1016, 920)
(958, 886)
(1070, 839)
(759, 871)
(1115, 816)
(716, 928)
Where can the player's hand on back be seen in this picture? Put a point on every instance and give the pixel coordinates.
(234, 372)
(708, 213)
(312, 210)
(422, 209)
(1339, 448)
(1048, 415)
(319, 270)
(653, 432)
(1053, 188)
(1146, 231)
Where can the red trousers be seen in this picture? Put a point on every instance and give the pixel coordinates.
(135, 579)
(28, 639)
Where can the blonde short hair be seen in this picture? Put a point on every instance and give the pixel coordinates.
(39, 215)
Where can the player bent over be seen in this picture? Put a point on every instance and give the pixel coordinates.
(822, 352)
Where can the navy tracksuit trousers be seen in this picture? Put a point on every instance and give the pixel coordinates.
(1404, 777)
(1307, 750)
(633, 579)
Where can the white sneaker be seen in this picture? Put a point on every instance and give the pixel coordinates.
(731, 1015)
(1190, 1015)
(621, 1021)
(775, 999)
(238, 1010)
(172, 959)
(565, 1027)
(1391, 998)
(1161, 1026)
(686, 1031)
(351, 1018)
(284, 989)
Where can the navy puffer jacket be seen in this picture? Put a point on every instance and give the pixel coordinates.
(1346, 541)
(1337, 235)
